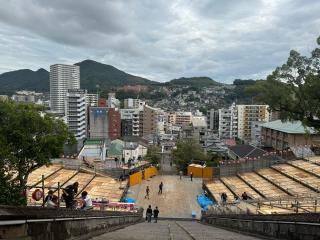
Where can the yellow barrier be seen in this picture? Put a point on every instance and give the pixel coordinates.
(150, 172)
(199, 171)
(135, 178)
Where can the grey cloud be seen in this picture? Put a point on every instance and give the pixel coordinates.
(159, 39)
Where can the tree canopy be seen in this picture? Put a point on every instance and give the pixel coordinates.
(28, 139)
(294, 88)
(187, 151)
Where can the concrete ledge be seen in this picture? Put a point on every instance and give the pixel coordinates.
(61, 223)
(268, 227)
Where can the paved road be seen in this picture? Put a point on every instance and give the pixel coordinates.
(179, 198)
(174, 231)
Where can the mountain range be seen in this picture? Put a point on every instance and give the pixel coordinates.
(92, 75)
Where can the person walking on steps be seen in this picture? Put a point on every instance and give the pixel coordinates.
(191, 176)
(160, 188)
(147, 192)
(155, 214)
(149, 214)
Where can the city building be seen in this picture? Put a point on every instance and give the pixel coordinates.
(283, 135)
(62, 78)
(113, 102)
(102, 102)
(27, 97)
(256, 133)
(134, 103)
(104, 123)
(248, 114)
(180, 118)
(213, 120)
(132, 126)
(92, 99)
(4, 98)
(114, 123)
(199, 129)
(126, 128)
(98, 123)
(76, 112)
(150, 120)
(228, 122)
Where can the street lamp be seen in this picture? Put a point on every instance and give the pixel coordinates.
(131, 144)
(203, 166)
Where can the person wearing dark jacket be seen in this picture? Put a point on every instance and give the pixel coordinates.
(160, 188)
(155, 214)
(149, 214)
(69, 193)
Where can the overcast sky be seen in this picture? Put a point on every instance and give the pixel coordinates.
(159, 39)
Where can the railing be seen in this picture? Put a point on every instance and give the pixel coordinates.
(291, 204)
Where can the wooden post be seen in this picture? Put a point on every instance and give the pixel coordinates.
(42, 185)
(58, 194)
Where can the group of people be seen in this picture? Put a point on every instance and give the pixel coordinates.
(150, 212)
(244, 197)
(68, 196)
(147, 196)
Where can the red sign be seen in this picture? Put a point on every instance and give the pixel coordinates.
(37, 195)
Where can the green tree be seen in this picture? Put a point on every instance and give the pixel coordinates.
(153, 155)
(27, 141)
(185, 152)
(293, 89)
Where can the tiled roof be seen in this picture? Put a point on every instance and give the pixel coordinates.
(295, 127)
(246, 151)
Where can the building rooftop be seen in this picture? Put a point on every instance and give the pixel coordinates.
(199, 122)
(247, 151)
(295, 127)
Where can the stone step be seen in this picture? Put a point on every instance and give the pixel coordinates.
(173, 230)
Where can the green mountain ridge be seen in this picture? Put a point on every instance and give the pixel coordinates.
(194, 81)
(24, 79)
(92, 74)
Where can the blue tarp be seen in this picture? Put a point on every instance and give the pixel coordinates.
(204, 202)
(129, 200)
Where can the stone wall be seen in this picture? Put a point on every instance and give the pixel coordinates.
(291, 227)
(56, 224)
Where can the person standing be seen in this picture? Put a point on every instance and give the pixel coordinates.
(149, 214)
(180, 173)
(147, 192)
(160, 188)
(224, 198)
(69, 193)
(191, 176)
(155, 214)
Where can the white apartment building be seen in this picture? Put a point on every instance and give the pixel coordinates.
(134, 103)
(228, 122)
(62, 78)
(248, 114)
(76, 112)
(113, 102)
(92, 99)
(134, 115)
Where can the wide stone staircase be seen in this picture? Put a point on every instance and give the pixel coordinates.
(170, 229)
